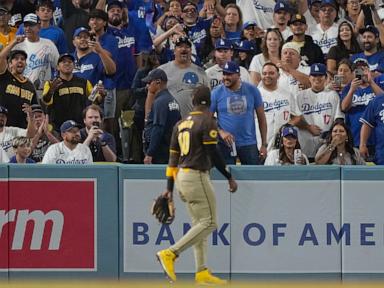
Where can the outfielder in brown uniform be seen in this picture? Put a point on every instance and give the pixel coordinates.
(192, 152)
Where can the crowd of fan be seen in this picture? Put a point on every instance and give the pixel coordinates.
(292, 81)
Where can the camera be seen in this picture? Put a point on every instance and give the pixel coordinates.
(97, 124)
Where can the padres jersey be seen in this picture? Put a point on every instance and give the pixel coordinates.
(189, 137)
(68, 101)
(14, 92)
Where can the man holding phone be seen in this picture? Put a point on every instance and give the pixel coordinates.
(355, 98)
(101, 143)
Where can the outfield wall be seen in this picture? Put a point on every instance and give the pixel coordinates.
(94, 221)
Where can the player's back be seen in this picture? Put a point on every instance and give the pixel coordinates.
(192, 134)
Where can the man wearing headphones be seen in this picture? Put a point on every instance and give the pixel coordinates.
(164, 114)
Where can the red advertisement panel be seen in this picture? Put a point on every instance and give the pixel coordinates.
(52, 225)
(3, 227)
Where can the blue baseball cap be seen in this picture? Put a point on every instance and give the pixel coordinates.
(329, 3)
(231, 68)
(223, 44)
(281, 6)
(3, 110)
(68, 125)
(249, 23)
(289, 131)
(370, 28)
(155, 74)
(245, 46)
(318, 69)
(80, 30)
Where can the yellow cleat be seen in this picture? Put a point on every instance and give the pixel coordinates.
(206, 278)
(167, 258)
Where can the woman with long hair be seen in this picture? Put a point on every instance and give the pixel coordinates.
(343, 77)
(285, 154)
(338, 148)
(233, 22)
(347, 45)
(271, 46)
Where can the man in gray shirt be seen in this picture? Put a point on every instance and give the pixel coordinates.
(183, 76)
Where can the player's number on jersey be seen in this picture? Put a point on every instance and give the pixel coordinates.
(184, 142)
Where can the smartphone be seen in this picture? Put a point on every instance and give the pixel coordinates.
(359, 73)
(97, 124)
(338, 79)
(92, 36)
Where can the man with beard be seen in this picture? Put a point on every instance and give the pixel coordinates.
(45, 135)
(125, 57)
(235, 103)
(371, 54)
(183, 76)
(42, 53)
(309, 51)
(75, 14)
(281, 16)
(70, 150)
(280, 107)
(223, 54)
(7, 133)
(15, 89)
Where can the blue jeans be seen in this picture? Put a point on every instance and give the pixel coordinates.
(248, 155)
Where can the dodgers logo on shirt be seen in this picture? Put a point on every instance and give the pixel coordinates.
(237, 104)
(190, 78)
(381, 114)
(363, 100)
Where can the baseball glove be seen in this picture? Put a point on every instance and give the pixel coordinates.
(163, 209)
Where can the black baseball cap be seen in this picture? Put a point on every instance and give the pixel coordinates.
(297, 18)
(3, 110)
(115, 3)
(156, 74)
(36, 108)
(65, 55)
(97, 13)
(183, 40)
(370, 28)
(13, 54)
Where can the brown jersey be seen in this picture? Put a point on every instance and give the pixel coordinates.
(189, 137)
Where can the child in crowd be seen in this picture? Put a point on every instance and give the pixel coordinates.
(22, 147)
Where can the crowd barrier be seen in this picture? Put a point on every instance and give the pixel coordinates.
(94, 221)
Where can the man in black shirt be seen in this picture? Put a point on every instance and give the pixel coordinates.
(15, 89)
(101, 143)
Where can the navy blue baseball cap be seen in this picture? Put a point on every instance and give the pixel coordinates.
(80, 30)
(329, 3)
(231, 68)
(3, 110)
(65, 55)
(223, 44)
(117, 3)
(281, 6)
(155, 74)
(318, 69)
(245, 46)
(289, 131)
(68, 125)
(370, 28)
(248, 24)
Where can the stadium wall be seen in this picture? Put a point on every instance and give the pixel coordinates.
(94, 221)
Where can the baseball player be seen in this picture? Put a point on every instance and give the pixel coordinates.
(193, 149)
(319, 108)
